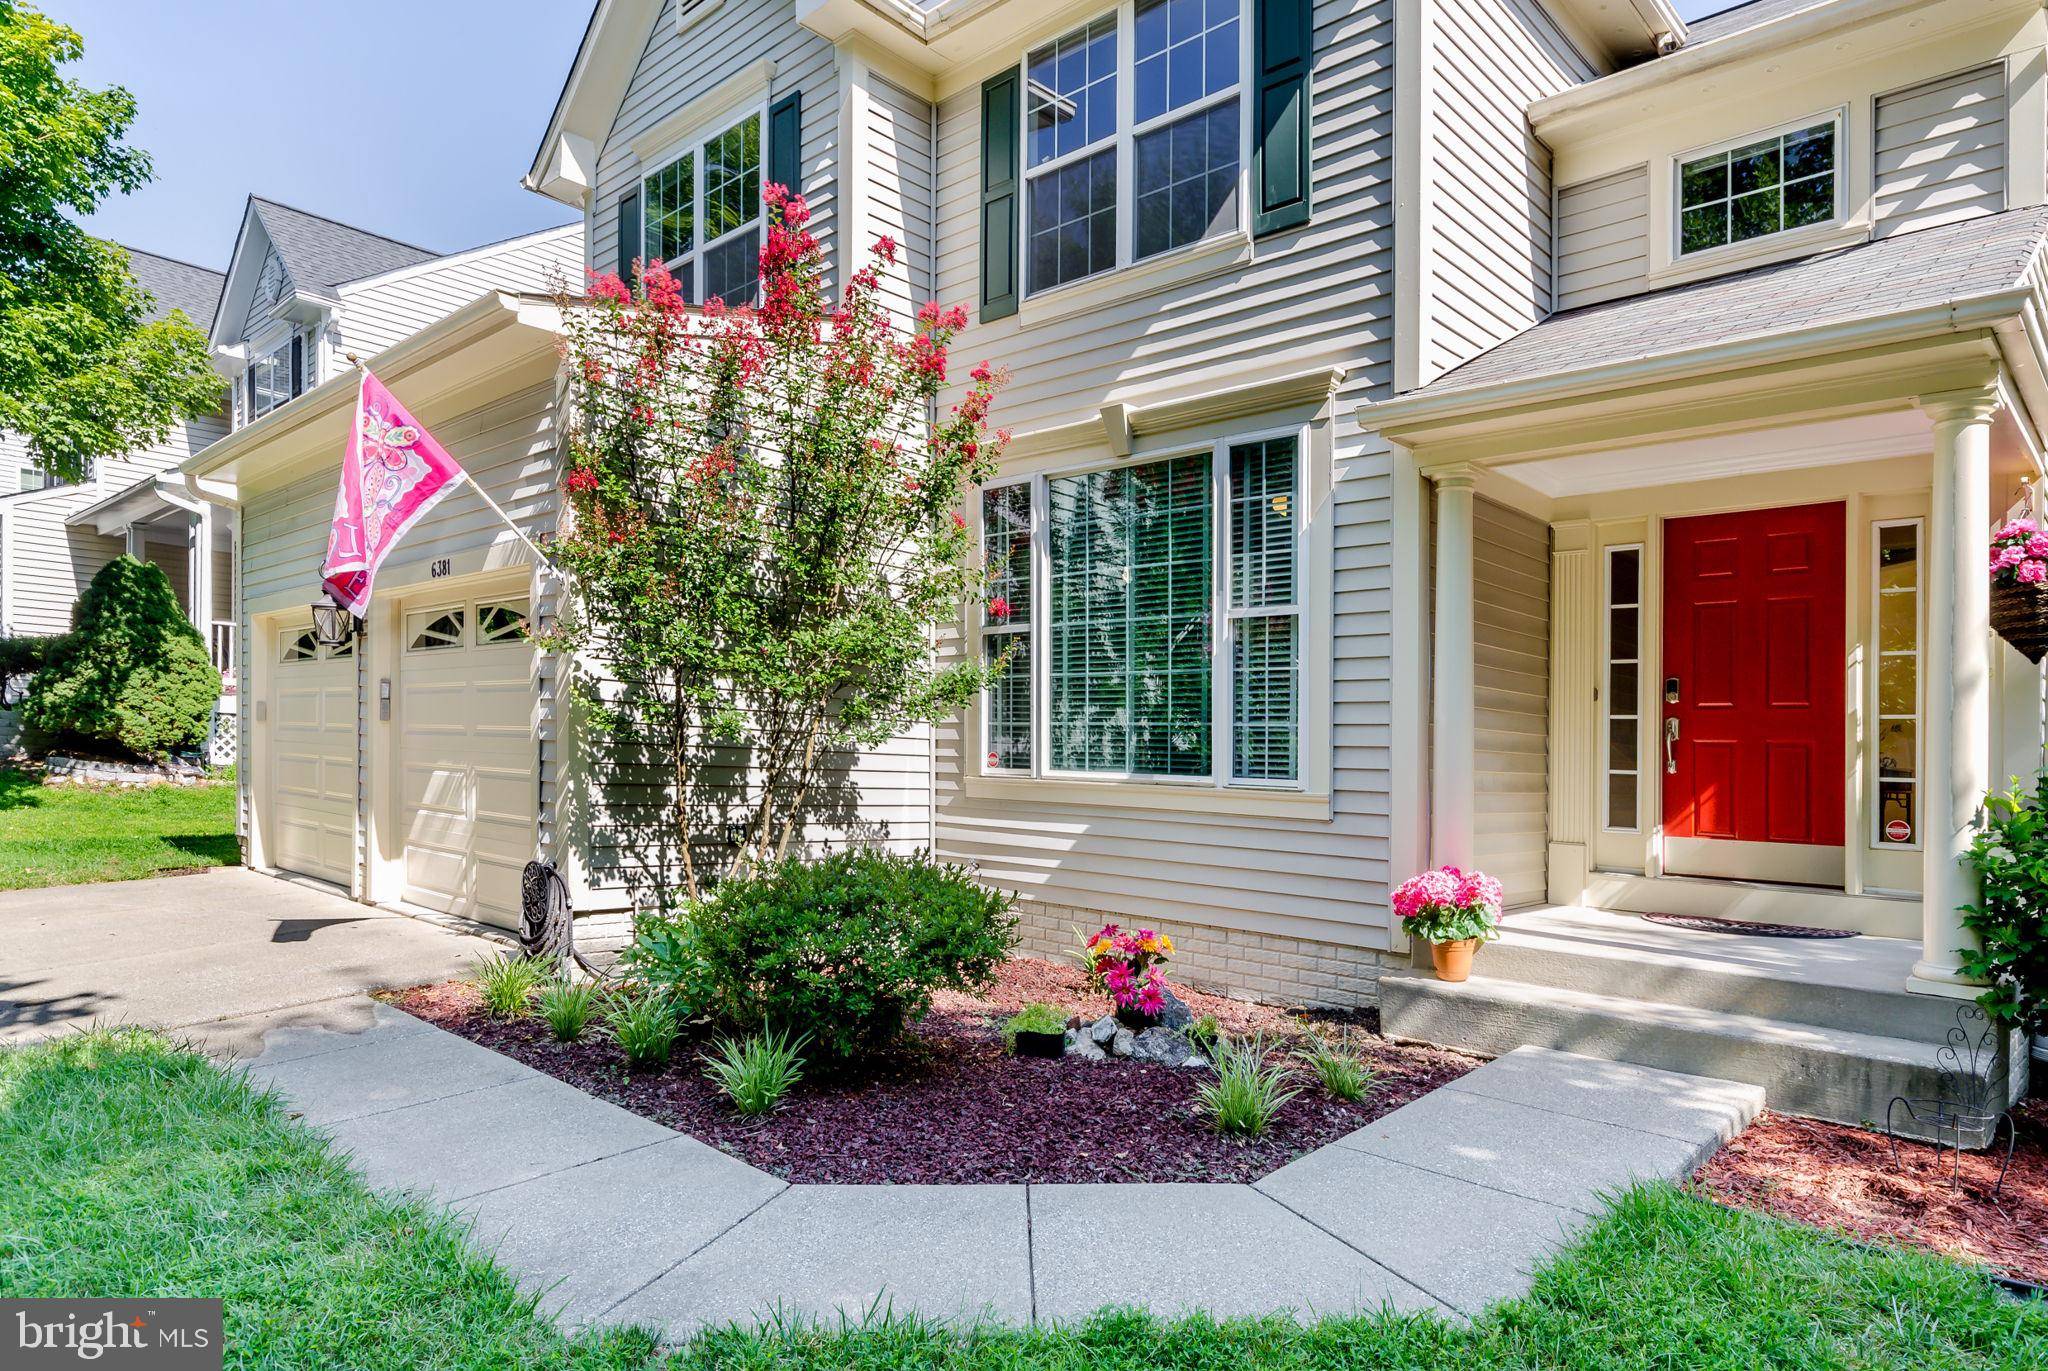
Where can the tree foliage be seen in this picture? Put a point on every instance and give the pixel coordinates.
(132, 676)
(84, 372)
(764, 531)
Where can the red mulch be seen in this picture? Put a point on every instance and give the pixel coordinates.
(954, 1107)
(1833, 1176)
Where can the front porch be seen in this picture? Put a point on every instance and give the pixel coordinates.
(1753, 677)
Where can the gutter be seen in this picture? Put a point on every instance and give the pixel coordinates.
(1957, 316)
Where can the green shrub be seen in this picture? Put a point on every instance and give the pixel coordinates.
(1338, 1068)
(507, 983)
(646, 1027)
(1033, 1018)
(848, 950)
(21, 658)
(1204, 1033)
(1246, 1093)
(755, 1073)
(568, 1006)
(132, 676)
(2011, 923)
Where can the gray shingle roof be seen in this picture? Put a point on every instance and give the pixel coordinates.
(177, 285)
(1911, 271)
(1736, 18)
(322, 252)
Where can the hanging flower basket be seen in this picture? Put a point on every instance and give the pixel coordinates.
(2019, 576)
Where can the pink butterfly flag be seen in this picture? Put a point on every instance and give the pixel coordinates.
(392, 473)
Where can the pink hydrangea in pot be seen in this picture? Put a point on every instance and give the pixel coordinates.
(1454, 911)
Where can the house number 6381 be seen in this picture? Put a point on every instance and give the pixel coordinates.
(440, 567)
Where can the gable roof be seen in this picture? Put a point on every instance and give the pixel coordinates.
(1909, 272)
(177, 285)
(319, 251)
(598, 76)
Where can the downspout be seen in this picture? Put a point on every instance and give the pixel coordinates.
(213, 494)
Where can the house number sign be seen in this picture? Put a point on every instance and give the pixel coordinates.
(439, 567)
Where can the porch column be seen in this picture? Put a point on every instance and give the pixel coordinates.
(1451, 769)
(1957, 744)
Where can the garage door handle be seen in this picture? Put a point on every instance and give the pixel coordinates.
(1670, 747)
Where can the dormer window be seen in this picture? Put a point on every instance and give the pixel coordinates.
(1781, 181)
(275, 377)
(703, 215)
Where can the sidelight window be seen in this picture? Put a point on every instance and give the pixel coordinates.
(1622, 690)
(1897, 614)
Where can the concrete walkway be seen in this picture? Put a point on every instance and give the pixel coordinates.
(194, 952)
(1447, 1204)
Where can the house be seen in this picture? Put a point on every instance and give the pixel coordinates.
(1533, 434)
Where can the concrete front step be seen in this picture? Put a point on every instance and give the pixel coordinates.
(1823, 1072)
(1854, 984)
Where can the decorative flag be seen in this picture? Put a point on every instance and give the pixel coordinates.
(391, 474)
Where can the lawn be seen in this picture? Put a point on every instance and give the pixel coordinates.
(134, 1168)
(67, 835)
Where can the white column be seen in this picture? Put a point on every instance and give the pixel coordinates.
(199, 571)
(1451, 766)
(1956, 745)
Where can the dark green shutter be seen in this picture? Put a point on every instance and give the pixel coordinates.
(785, 142)
(999, 124)
(298, 365)
(629, 233)
(1283, 49)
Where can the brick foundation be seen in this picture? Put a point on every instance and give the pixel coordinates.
(1251, 966)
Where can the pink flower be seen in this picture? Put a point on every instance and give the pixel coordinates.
(958, 522)
(2037, 546)
(581, 481)
(2019, 528)
(885, 248)
(605, 286)
(999, 608)
(2008, 556)
(2032, 573)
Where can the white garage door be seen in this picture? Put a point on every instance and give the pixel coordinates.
(464, 714)
(312, 757)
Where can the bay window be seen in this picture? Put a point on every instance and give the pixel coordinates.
(1132, 148)
(1146, 618)
(703, 216)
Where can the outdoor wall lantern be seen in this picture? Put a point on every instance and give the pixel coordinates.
(333, 626)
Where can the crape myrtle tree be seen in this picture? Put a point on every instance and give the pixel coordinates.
(84, 371)
(763, 532)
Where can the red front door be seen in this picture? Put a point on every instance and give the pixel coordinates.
(1753, 643)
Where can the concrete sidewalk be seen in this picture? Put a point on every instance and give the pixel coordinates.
(1448, 1204)
(223, 955)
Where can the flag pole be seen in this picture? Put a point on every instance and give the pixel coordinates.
(482, 494)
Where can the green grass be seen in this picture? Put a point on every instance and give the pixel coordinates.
(67, 835)
(131, 1167)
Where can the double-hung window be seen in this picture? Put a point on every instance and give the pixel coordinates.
(703, 216)
(1146, 618)
(1768, 185)
(273, 377)
(1133, 137)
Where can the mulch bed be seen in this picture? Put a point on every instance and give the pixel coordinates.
(954, 1107)
(1833, 1176)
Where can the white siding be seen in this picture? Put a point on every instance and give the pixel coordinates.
(676, 69)
(1511, 653)
(1316, 295)
(1603, 238)
(899, 168)
(1489, 234)
(383, 310)
(1941, 151)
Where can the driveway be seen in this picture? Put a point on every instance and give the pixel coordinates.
(224, 955)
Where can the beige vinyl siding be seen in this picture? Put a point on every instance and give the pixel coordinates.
(1511, 710)
(1603, 238)
(169, 551)
(898, 165)
(676, 69)
(49, 563)
(1941, 151)
(1489, 241)
(383, 310)
(14, 460)
(1316, 295)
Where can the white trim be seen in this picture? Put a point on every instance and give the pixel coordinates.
(691, 150)
(1722, 255)
(690, 13)
(661, 143)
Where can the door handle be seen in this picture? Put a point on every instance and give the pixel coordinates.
(1670, 744)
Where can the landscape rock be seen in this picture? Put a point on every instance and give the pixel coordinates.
(1124, 1043)
(1161, 1045)
(1103, 1030)
(1176, 1015)
(1081, 1047)
(1198, 1061)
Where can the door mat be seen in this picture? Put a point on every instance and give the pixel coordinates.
(1700, 923)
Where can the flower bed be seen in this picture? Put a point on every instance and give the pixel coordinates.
(1833, 1176)
(954, 1107)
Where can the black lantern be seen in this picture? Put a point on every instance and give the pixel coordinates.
(333, 626)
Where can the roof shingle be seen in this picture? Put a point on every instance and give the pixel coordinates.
(321, 252)
(1894, 275)
(177, 285)
(1736, 18)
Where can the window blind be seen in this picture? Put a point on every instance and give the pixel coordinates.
(1265, 652)
(1006, 624)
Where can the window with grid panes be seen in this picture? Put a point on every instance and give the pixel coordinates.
(1006, 625)
(702, 215)
(1785, 181)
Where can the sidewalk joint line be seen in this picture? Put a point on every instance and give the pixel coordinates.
(561, 1170)
(657, 1276)
(1467, 1180)
(1345, 1242)
(414, 1104)
(1030, 1255)
(1463, 1089)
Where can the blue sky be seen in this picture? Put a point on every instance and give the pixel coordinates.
(413, 118)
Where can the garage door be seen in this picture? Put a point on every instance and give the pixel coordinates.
(464, 714)
(313, 757)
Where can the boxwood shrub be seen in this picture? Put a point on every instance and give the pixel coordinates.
(848, 949)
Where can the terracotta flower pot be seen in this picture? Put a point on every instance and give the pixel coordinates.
(1453, 960)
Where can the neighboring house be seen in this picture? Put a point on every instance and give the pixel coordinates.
(1531, 434)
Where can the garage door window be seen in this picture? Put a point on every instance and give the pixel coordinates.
(298, 645)
(434, 630)
(502, 622)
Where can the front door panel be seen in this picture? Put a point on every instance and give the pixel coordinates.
(1753, 641)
